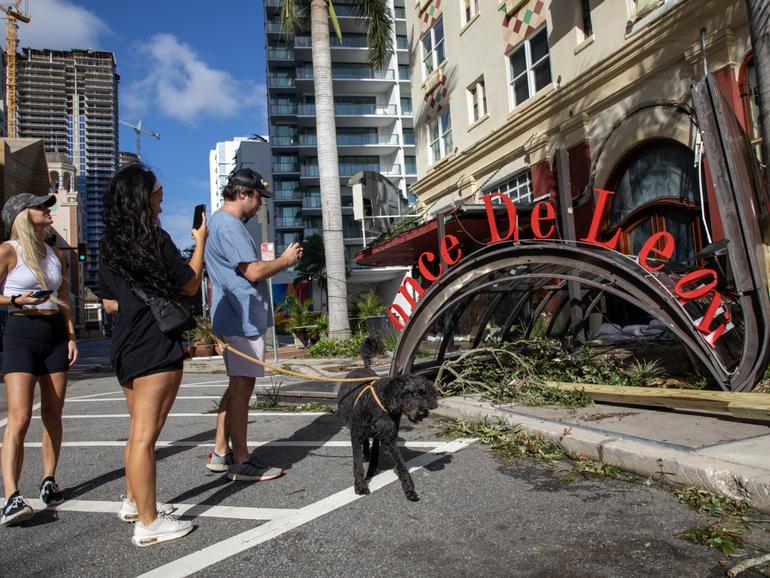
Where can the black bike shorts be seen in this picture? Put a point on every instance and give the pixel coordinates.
(35, 344)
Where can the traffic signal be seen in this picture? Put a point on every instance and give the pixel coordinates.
(82, 251)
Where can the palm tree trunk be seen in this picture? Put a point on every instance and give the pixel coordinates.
(759, 22)
(328, 165)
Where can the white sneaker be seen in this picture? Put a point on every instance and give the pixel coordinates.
(164, 528)
(129, 513)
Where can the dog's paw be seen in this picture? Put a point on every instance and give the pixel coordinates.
(362, 491)
(412, 496)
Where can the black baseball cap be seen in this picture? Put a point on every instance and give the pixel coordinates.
(17, 203)
(251, 180)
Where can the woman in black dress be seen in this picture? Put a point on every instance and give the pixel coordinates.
(136, 252)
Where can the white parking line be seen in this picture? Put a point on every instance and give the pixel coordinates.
(123, 399)
(210, 555)
(256, 444)
(188, 510)
(214, 415)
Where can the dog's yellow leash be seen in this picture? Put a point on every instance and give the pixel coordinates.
(228, 347)
(370, 389)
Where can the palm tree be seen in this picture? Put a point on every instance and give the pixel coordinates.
(378, 18)
(759, 22)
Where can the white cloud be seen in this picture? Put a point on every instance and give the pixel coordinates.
(179, 84)
(60, 25)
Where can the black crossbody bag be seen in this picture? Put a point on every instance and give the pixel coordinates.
(172, 317)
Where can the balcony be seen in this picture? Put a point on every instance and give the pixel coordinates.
(279, 168)
(350, 74)
(353, 139)
(346, 170)
(399, 13)
(287, 195)
(286, 54)
(273, 28)
(274, 3)
(311, 202)
(284, 141)
(352, 109)
(280, 82)
(290, 222)
(402, 43)
(347, 42)
(283, 109)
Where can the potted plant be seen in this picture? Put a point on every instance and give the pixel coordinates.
(300, 321)
(201, 343)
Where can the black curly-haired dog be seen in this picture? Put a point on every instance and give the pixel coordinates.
(372, 410)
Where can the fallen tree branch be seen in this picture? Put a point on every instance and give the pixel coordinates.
(746, 564)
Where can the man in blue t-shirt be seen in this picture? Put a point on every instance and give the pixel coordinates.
(241, 314)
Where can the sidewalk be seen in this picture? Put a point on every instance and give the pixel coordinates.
(711, 450)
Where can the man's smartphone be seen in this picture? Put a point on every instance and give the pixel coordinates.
(42, 293)
(198, 216)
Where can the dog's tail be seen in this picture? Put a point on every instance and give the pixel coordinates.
(370, 347)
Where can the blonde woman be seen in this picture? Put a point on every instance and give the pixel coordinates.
(38, 345)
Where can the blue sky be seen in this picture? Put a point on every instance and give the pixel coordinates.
(191, 70)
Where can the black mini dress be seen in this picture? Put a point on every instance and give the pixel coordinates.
(139, 347)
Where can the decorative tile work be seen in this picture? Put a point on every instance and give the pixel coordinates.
(522, 23)
(428, 16)
(436, 99)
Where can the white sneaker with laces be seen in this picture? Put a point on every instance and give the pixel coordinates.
(164, 528)
(129, 513)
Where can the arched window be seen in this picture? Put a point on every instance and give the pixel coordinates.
(54, 180)
(656, 189)
(68, 182)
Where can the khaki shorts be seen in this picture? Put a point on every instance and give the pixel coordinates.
(237, 366)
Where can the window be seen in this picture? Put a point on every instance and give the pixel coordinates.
(440, 135)
(477, 100)
(750, 94)
(433, 48)
(406, 105)
(530, 66)
(518, 188)
(470, 8)
(585, 18)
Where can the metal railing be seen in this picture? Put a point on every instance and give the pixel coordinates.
(284, 140)
(353, 139)
(280, 82)
(311, 201)
(280, 54)
(283, 109)
(285, 168)
(352, 109)
(279, 195)
(293, 222)
(350, 74)
(347, 42)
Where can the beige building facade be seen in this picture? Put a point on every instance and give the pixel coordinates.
(499, 87)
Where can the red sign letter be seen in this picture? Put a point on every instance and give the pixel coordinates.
(424, 271)
(448, 243)
(537, 218)
(664, 253)
(596, 221)
(695, 277)
(510, 208)
(397, 323)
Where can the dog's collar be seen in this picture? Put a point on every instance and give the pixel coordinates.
(370, 388)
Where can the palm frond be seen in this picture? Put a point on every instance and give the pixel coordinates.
(290, 21)
(379, 26)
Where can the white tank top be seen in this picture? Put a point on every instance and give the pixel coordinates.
(21, 279)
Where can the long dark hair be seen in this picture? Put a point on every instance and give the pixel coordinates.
(132, 240)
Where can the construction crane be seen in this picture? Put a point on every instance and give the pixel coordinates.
(139, 130)
(13, 15)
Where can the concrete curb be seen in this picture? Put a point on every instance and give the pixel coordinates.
(651, 459)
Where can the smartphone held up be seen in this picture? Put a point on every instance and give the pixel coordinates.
(198, 216)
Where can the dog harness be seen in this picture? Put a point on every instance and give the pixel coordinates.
(370, 388)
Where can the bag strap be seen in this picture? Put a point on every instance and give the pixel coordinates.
(136, 290)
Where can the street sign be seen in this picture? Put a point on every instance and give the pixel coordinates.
(268, 251)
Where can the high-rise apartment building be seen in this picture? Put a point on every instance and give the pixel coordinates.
(374, 129)
(70, 100)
